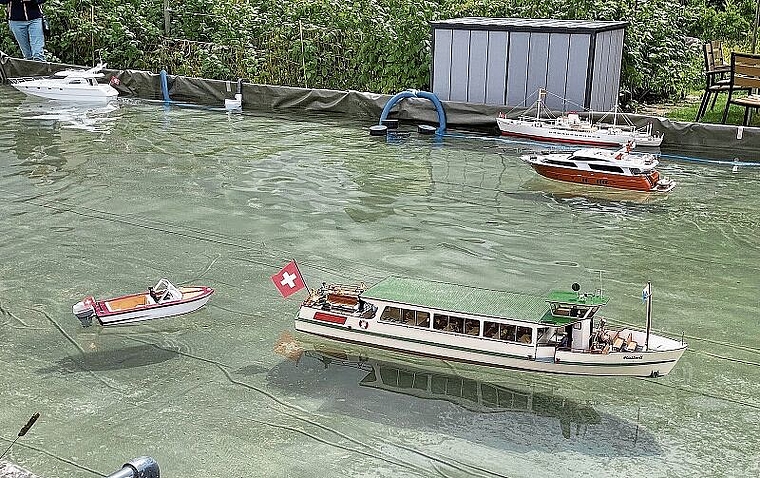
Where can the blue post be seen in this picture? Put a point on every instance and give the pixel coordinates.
(165, 87)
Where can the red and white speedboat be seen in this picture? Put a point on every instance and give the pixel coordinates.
(162, 300)
(600, 167)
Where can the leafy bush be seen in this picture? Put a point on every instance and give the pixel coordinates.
(372, 45)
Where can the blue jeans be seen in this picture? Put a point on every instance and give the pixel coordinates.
(29, 37)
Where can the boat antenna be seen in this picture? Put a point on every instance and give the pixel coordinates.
(23, 431)
(601, 290)
(647, 295)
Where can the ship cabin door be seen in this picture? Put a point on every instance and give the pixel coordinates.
(581, 335)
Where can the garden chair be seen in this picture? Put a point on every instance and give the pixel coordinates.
(744, 75)
(716, 71)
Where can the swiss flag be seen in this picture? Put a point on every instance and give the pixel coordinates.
(288, 281)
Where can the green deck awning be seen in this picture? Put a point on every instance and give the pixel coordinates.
(459, 298)
(455, 298)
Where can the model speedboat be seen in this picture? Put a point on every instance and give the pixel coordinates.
(69, 85)
(620, 169)
(571, 128)
(162, 300)
(560, 333)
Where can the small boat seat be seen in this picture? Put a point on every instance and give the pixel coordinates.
(617, 342)
(631, 346)
(342, 299)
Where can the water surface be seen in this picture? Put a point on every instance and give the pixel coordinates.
(107, 202)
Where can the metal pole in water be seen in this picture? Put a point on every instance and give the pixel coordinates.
(140, 467)
(649, 314)
(23, 431)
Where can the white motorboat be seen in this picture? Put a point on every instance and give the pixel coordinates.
(162, 300)
(69, 85)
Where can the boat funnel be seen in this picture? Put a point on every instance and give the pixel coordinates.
(85, 310)
(140, 467)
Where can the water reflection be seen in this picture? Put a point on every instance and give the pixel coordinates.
(507, 412)
(52, 114)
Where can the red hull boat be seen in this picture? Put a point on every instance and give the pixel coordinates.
(600, 167)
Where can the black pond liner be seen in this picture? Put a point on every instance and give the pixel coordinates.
(721, 144)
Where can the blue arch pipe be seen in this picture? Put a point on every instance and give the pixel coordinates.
(417, 94)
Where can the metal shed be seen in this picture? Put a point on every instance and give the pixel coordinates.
(504, 61)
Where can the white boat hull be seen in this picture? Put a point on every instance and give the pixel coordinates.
(101, 94)
(154, 313)
(493, 353)
(595, 137)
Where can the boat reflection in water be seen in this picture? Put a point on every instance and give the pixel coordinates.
(86, 117)
(429, 398)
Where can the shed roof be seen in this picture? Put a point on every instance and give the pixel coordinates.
(547, 25)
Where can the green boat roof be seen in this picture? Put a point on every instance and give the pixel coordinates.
(474, 300)
(574, 298)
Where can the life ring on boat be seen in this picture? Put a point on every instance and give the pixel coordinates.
(363, 324)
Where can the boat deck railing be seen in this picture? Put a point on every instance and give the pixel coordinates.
(22, 79)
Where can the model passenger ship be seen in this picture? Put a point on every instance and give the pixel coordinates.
(561, 333)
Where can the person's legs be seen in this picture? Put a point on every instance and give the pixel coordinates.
(37, 40)
(20, 29)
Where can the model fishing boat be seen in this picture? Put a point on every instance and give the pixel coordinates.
(69, 85)
(601, 167)
(162, 300)
(571, 128)
(560, 333)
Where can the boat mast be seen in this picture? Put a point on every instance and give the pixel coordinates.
(648, 293)
(601, 290)
(541, 96)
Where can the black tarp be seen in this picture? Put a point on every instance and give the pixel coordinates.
(697, 140)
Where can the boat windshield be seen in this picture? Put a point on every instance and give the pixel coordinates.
(165, 291)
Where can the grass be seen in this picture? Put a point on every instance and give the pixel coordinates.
(686, 110)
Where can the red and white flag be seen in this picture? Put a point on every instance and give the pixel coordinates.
(288, 281)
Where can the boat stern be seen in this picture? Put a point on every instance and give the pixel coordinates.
(85, 310)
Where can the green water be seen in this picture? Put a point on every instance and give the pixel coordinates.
(106, 203)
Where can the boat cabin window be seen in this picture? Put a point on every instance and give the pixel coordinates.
(544, 334)
(414, 318)
(565, 310)
(525, 335)
(507, 332)
(561, 163)
(605, 167)
(448, 323)
(391, 314)
(472, 327)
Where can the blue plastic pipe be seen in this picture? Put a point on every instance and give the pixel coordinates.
(165, 87)
(417, 94)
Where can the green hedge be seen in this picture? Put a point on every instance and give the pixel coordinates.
(369, 45)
